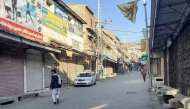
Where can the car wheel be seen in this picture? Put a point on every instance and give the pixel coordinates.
(95, 83)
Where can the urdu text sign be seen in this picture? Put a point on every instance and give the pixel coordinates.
(54, 22)
(144, 45)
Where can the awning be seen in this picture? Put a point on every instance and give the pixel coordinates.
(111, 60)
(26, 41)
(104, 57)
(167, 19)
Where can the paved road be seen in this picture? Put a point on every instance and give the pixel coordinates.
(121, 92)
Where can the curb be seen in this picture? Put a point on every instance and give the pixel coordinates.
(21, 97)
(17, 98)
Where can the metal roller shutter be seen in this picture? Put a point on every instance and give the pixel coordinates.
(63, 71)
(48, 66)
(80, 67)
(110, 68)
(12, 70)
(72, 69)
(34, 75)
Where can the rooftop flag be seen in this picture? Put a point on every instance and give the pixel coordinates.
(129, 10)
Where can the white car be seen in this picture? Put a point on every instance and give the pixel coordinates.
(85, 78)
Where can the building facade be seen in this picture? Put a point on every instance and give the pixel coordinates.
(169, 43)
(33, 44)
(89, 35)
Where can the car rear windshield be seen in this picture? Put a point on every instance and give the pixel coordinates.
(85, 75)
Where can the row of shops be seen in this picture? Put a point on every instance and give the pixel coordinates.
(26, 68)
(55, 41)
(170, 40)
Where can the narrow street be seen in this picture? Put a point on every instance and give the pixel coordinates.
(121, 92)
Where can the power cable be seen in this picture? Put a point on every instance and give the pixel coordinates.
(124, 31)
(110, 2)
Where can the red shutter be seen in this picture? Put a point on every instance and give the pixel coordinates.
(12, 70)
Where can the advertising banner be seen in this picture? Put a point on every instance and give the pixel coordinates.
(61, 12)
(69, 53)
(35, 2)
(75, 27)
(49, 35)
(21, 30)
(144, 45)
(54, 22)
(20, 17)
(76, 45)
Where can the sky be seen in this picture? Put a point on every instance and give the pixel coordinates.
(110, 11)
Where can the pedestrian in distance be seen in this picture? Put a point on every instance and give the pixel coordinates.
(55, 86)
(143, 74)
(139, 70)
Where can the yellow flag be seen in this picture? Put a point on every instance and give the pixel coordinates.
(144, 45)
(129, 10)
(69, 53)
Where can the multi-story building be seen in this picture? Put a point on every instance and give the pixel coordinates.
(111, 44)
(35, 41)
(117, 55)
(134, 54)
(109, 53)
(89, 35)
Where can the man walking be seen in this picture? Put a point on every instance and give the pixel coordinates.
(55, 86)
(143, 74)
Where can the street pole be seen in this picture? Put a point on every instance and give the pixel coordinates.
(100, 40)
(100, 61)
(146, 37)
(124, 67)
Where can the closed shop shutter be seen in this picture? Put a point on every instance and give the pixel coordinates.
(80, 67)
(12, 70)
(72, 69)
(110, 68)
(63, 71)
(34, 75)
(94, 66)
(48, 66)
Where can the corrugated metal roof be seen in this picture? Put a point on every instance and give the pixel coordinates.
(167, 18)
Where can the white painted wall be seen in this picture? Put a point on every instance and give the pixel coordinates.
(52, 35)
(77, 38)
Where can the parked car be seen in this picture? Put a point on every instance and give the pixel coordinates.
(85, 78)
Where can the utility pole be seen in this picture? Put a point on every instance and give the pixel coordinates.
(100, 41)
(146, 37)
(100, 61)
(124, 57)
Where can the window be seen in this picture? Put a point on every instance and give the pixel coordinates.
(85, 75)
